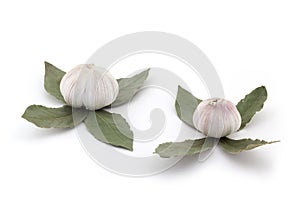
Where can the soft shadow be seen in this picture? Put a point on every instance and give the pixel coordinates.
(256, 161)
(251, 161)
(47, 133)
(34, 133)
(186, 164)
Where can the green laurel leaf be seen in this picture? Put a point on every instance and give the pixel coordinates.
(252, 103)
(128, 87)
(187, 147)
(237, 146)
(110, 128)
(61, 117)
(52, 79)
(185, 105)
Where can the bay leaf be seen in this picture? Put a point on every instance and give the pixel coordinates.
(185, 105)
(52, 79)
(128, 87)
(110, 128)
(61, 117)
(237, 146)
(187, 147)
(252, 103)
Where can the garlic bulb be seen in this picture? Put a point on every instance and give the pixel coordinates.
(216, 117)
(89, 86)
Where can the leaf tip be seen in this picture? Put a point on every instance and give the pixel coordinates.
(47, 65)
(147, 72)
(179, 87)
(262, 89)
(265, 90)
(262, 86)
(130, 148)
(23, 115)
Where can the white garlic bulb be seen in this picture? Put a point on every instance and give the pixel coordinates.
(89, 86)
(216, 118)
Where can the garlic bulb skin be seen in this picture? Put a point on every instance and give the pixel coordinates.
(216, 117)
(89, 86)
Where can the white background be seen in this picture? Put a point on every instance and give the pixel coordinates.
(249, 42)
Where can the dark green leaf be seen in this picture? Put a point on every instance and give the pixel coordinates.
(110, 128)
(54, 117)
(237, 146)
(251, 104)
(129, 86)
(188, 147)
(52, 79)
(185, 105)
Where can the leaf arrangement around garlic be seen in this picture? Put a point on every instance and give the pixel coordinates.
(86, 91)
(215, 118)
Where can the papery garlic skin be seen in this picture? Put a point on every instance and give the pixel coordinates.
(216, 118)
(89, 86)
